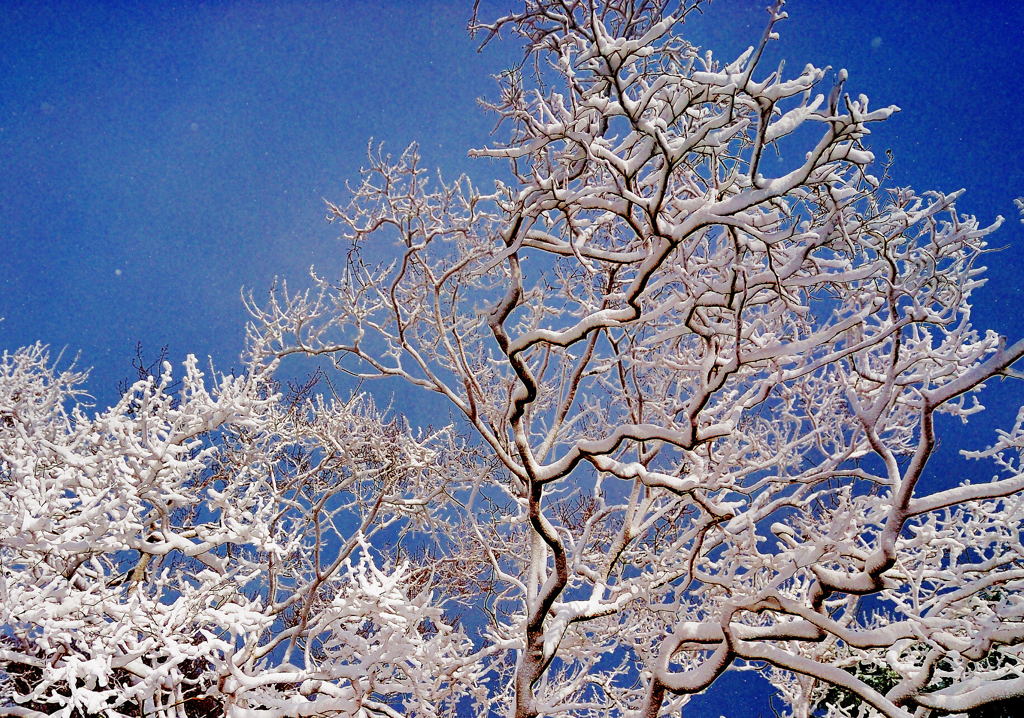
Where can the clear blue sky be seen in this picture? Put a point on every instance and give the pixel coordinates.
(155, 157)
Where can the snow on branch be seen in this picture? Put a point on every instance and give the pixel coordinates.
(708, 381)
(697, 394)
(213, 550)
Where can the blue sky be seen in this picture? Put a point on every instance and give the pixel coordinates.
(155, 157)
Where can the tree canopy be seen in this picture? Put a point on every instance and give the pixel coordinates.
(696, 397)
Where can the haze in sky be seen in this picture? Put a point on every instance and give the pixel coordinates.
(158, 157)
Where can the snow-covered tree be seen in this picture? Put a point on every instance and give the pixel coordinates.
(708, 384)
(698, 395)
(198, 551)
